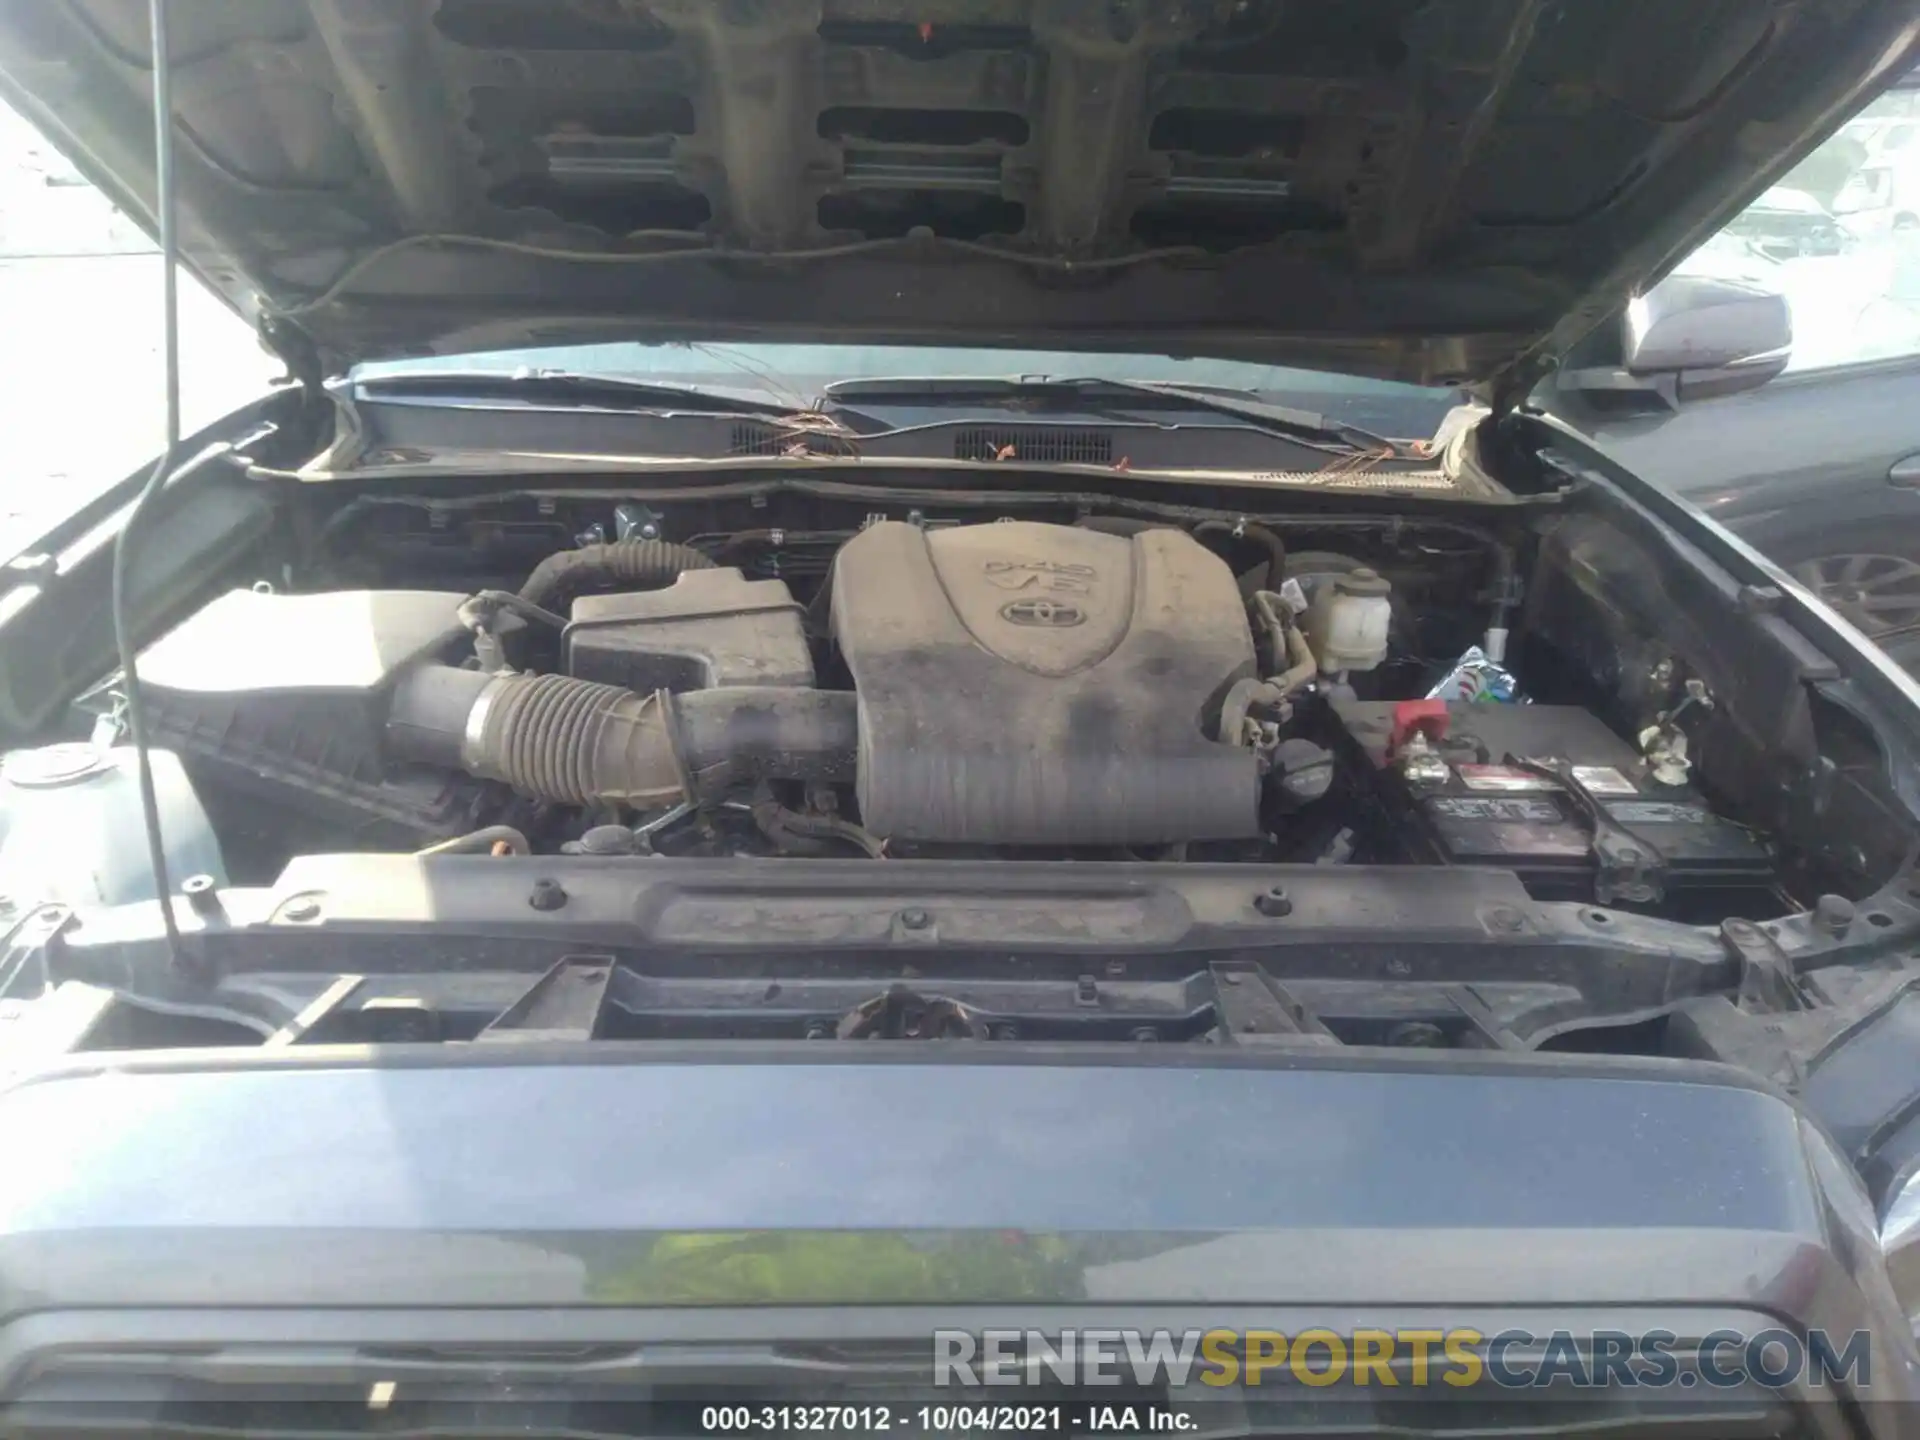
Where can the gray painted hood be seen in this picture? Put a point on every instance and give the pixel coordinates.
(1426, 189)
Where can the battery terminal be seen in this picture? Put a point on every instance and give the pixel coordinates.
(1413, 743)
(1664, 745)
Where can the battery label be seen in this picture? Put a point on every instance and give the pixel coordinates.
(1506, 779)
(1511, 780)
(1604, 780)
(1658, 812)
(1494, 808)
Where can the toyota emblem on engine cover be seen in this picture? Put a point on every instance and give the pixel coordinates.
(1054, 613)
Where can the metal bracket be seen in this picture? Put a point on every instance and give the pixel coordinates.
(904, 1014)
(634, 521)
(60, 1022)
(1488, 1028)
(32, 943)
(313, 1012)
(1768, 985)
(398, 1020)
(1626, 867)
(1255, 1009)
(563, 1004)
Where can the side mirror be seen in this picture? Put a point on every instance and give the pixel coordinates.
(1694, 337)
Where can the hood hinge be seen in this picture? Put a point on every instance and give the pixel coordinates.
(1512, 386)
(296, 351)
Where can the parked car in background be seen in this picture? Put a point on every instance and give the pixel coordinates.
(1883, 136)
(1819, 466)
(1881, 197)
(1786, 222)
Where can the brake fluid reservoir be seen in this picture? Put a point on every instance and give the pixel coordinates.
(71, 828)
(1347, 622)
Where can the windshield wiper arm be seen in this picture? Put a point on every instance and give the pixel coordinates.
(1280, 417)
(1306, 427)
(571, 387)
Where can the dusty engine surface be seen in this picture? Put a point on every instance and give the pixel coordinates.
(1030, 684)
(282, 700)
(939, 688)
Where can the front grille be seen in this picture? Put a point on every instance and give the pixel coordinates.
(1049, 447)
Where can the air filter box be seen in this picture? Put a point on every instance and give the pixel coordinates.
(708, 628)
(284, 698)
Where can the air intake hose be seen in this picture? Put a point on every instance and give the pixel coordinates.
(580, 743)
(645, 564)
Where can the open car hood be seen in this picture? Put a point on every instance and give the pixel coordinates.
(1435, 190)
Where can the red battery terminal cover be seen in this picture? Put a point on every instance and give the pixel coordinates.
(1417, 717)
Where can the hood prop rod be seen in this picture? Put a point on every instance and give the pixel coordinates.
(124, 638)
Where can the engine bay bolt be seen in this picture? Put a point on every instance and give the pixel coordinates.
(1274, 903)
(1833, 913)
(1505, 919)
(915, 919)
(547, 895)
(201, 895)
(303, 907)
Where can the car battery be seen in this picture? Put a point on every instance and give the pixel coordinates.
(1453, 796)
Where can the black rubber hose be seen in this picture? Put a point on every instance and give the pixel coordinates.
(645, 564)
(575, 742)
(768, 732)
(427, 720)
(1276, 548)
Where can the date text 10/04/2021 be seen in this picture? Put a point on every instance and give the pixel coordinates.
(1376, 1359)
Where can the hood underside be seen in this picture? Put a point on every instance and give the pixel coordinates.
(1438, 190)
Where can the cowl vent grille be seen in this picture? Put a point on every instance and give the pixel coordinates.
(754, 440)
(1047, 447)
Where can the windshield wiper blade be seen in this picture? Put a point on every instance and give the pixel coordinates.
(572, 387)
(1306, 427)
